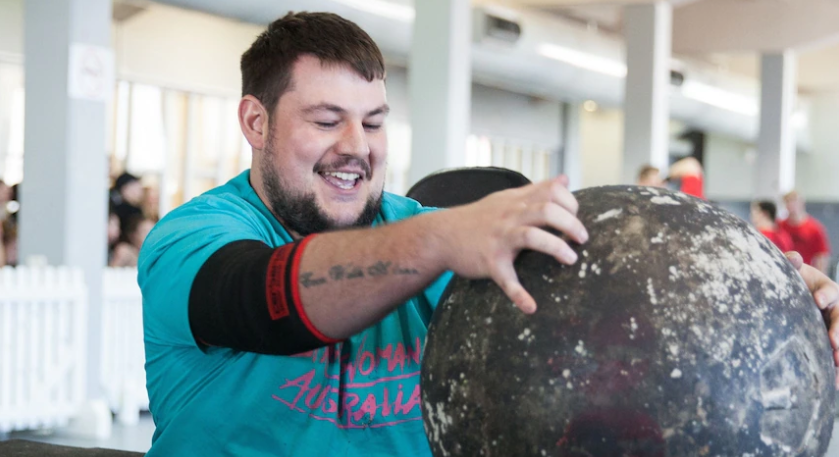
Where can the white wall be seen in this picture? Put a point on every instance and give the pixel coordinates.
(11, 29)
(495, 113)
(499, 113)
(182, 49)
(729, 169)
(816, 172)
(730, 163)
(165, 46)
(601, 147)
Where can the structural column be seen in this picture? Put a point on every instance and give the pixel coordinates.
(568, 161)
(439, 86)
(69, 76)
(776, 142)
(648, 33)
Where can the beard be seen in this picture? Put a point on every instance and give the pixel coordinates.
(300, 212)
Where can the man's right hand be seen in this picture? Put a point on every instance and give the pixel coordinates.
(482, 239)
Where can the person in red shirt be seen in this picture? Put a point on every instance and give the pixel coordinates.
(808, 235)
(689, 172)
(763, 218)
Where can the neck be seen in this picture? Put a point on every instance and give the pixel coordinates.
(765, 225)
(798, 218)
(257, 183)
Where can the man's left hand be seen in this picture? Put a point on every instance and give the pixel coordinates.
(826, 294)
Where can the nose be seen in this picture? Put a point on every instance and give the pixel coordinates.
(353, 141)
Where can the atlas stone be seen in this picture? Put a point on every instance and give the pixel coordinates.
(681, 331)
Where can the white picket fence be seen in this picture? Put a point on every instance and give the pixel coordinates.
(43, 343)
(123, 374)
(43, 338)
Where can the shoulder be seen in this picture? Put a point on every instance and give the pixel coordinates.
(395, 207)
(209, 211)
(205, 223)
(815, 225)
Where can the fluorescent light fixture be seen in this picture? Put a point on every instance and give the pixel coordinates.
(384, 8)
(583, 60)
(720, 98)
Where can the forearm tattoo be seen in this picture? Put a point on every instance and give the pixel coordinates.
(351, 271)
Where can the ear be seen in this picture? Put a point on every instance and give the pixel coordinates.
(253, 119)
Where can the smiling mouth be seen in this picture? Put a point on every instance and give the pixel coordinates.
(341, 180)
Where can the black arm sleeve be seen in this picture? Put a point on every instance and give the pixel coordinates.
(229, 302)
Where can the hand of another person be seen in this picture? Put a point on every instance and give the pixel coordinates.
(483, 238)
(826, 294)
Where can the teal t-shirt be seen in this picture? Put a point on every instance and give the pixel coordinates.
(359, 397)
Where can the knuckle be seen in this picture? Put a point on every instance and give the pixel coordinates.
(530, 236)
(574, 205)
(545, 210)
(556, 188)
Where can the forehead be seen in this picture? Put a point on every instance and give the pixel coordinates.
(313, 82)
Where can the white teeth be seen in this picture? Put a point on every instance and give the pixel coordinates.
(344, 176)
(346, 180)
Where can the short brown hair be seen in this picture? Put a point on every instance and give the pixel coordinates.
(768, 208)
(267, 65)
(791, 195)
(646, 171)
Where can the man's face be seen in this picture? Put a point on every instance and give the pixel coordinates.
(795, 205)
(651, 179)
(757, 215)
(132, 193)
(323, 165)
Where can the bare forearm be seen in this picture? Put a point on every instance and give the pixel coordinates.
(351, 279)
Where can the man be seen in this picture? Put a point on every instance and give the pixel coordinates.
(127, 197)
(649, 176)
(809, 237)
(690, 175)
(687, 171)
(764, 214)
(240, 283)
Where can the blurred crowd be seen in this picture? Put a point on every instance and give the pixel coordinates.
(798, 231)
(132, 212)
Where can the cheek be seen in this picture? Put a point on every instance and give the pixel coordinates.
(378, 150)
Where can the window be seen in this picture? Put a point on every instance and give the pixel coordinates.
(529, 159)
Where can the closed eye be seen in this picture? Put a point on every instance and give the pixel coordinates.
(372, 127)
(326, 125)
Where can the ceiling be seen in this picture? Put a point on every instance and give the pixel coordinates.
(728, 33)
(732, 33)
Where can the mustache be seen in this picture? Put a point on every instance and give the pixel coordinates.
(344, 161)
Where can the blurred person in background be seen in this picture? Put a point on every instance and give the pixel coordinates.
(113, 238)
(126, 251)
(9, 209)
(649, 176)
(129, 199)
(151, 203)
(9, 242)
(5, 198)
(764, 217)
(809, 236)
(689, 173)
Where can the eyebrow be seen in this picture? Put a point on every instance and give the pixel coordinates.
(384, 109)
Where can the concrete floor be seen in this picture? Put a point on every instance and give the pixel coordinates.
(138, 438)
